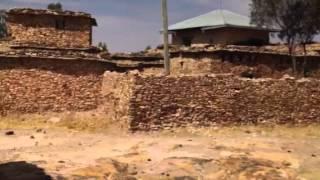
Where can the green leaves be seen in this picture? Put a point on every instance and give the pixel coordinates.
(103, 46)
(3, 27)
(298, 19)
(55, 6)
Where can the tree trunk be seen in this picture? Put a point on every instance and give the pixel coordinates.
(304, 59)
(293, 60)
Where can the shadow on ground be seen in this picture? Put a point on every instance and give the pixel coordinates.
(22, 171)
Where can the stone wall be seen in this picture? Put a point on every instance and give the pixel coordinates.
(153, 102)
(116, 92)
(72, 32)
(259, 65)
(37, 86)
(165, 102)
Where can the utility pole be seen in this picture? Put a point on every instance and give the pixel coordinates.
(165, 37)
(220, 4)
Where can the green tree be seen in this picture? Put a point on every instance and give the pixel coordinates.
(55, 6)
(103, 46)
(308, 25)
(3, 27)
(295, 19)
(148, 48)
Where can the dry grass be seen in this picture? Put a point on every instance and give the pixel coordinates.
(96, 122)
(87, 122)
(282, 131)
(25, 122)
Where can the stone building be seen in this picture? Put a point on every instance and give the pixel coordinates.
(64, 29)
(218, 27)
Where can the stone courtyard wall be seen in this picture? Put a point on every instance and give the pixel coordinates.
(37, 86)
(241, 64)
(166, 102)
(148, 102)
(116, 93)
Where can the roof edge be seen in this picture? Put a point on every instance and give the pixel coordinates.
(66, 13)
(242, 27)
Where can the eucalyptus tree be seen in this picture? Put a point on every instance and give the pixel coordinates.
(297, 21)
(3, 27)
(55, 6)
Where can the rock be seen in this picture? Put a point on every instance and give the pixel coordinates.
(286, 163)
(185, 178)
(9, 133)
(106, 168)
(54, 120)
(120, 177)
(287, 76)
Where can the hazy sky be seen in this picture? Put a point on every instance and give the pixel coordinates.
(131, 25)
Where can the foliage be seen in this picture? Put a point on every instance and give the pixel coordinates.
(298, 20)
(55, 6)
(148, 48)
(103, 46)
(3, 27)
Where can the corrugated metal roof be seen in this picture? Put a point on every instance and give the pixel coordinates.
(214, 19)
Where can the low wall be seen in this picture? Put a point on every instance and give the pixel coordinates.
(165, 102)
(242, 64)
(153, 102)
(116, 93)
(36, 86)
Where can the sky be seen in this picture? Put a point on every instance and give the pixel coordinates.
(132, 25)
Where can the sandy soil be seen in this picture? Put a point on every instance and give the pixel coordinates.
(245, 153)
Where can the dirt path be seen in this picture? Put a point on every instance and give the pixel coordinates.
(64, 154)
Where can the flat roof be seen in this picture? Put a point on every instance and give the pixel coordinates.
(29, 11)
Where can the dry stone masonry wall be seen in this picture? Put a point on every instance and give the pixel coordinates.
(42, 31)
(153, 102)
(116, 92)
(37, 86)
(244, 64)
(166, 102)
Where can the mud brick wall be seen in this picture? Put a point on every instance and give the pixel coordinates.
(165, 102)
(41, 30)
(37, 86)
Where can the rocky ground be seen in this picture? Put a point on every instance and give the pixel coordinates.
(216, 153)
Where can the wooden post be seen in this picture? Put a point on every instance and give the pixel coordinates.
(165, 37)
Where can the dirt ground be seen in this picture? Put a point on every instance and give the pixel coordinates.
(267, 153)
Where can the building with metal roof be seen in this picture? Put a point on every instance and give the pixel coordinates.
(218, 27)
